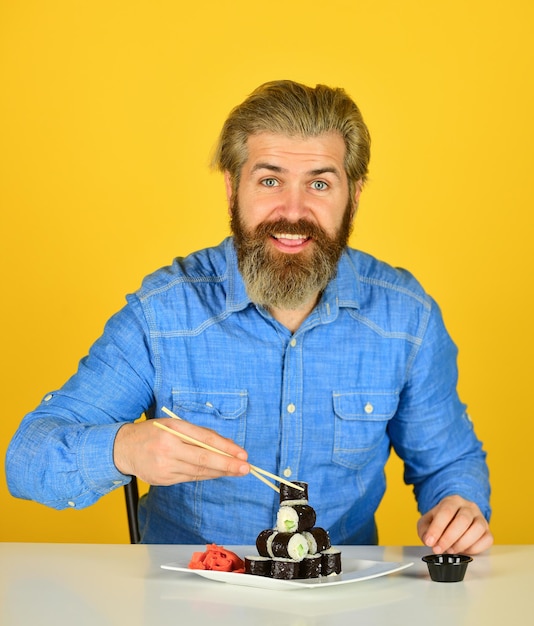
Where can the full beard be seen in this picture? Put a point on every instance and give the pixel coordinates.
(282, 280)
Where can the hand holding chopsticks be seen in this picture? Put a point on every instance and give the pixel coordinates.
(256, 471)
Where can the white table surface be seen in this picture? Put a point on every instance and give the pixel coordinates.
(79, 584)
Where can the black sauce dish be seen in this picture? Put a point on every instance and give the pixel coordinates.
(447, 568)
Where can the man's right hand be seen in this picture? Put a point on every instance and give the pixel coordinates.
(159, 458)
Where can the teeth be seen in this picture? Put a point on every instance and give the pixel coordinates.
(285, 236)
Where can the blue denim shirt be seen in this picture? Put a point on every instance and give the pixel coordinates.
(370, 368)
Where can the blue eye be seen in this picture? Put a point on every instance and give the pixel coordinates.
(269, 182)
(319, 185)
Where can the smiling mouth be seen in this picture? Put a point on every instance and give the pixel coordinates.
(290, 239)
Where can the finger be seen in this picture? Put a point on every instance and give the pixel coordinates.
(457, 527)
(434, 523)
(174, 470)
(206, 436)
(467, 531)
(206, 464)
(198, 463)
(476, 539)
(422, 526)
(485, 542)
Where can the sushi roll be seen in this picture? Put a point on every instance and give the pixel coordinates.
(295, 519)
(285, 569)
(290, 495)
(310, 566)
(258, 565)
(264, 541)
(318, 539)
(295, 547)
(331, 562)
(289, 546)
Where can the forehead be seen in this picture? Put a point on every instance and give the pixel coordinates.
(327, 149)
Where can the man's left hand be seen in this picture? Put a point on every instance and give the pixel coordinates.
(455, 525)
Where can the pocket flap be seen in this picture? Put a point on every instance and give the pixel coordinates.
(225, 404)
(366, 405)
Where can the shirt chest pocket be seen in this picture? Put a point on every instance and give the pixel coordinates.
(224, 412)
(361, 420)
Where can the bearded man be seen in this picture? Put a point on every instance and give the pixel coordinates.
(282, 345)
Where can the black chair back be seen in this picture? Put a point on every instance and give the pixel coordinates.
(131, 493)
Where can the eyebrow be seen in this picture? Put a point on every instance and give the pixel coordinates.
(267, 166)
(280, 170)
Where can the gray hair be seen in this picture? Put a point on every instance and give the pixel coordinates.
(295, 110)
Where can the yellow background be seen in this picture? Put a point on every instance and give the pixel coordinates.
(108, 114)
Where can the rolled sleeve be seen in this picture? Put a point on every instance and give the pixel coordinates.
(81, 455)
(432, 432)
(62, 453)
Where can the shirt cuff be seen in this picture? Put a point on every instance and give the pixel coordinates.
(95, 460)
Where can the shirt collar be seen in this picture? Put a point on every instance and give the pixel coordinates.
(236, 297)
(343, 291)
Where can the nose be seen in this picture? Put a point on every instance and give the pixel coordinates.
(293, 204)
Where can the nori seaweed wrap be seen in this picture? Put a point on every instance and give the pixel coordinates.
(331, 562)
(290, 495)
(285, 569)
(311, 566)
(264, 541)
(289, 546)
(258, 565)
(318, 539)
(295, 519)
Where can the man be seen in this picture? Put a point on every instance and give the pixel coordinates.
(281, 345)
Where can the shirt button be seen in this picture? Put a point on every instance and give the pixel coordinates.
(287, 472)
(71, 503)
(48, 397)
(368, 408)
(293, 342)
(291, 408)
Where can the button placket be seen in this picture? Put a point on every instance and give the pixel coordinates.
(291, 422)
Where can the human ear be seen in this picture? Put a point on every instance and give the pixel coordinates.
(229, 190)
(358, 187)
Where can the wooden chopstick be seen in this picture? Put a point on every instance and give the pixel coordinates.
(195, 442)
(264, 480)
(254, 468)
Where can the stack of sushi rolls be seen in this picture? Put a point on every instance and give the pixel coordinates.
(295, 547)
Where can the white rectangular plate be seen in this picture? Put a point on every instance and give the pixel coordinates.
(354, 571)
